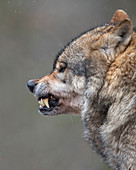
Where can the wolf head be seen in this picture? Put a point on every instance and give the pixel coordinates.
(80, 68)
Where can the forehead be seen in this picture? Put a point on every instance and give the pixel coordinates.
(72, 54)
(81, 45)
(69, 44)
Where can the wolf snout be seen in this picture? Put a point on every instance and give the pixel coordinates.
(31, 85)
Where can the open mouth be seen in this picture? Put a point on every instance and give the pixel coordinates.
(47, 103)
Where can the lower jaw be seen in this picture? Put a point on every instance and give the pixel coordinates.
(46, 112)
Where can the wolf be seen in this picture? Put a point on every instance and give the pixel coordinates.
(95, 76)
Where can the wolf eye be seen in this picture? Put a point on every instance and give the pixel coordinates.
(62, 67)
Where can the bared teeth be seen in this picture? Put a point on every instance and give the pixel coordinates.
(41, 102)
(44, 102)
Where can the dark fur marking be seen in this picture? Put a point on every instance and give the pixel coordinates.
(80, 69)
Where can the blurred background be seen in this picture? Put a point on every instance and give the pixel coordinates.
(31, 34)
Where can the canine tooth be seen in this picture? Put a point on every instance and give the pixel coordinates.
(46, 101)
(41, 102)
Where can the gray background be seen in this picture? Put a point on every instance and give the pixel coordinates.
(31, 34)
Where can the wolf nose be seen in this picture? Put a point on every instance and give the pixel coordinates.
(31, 85)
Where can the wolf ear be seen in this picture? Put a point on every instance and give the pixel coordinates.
(122, 27)
(119, 16)
(120, 33)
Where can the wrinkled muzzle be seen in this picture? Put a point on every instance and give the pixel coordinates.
(47, 101)
(54, 97)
